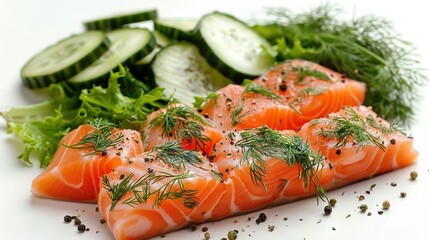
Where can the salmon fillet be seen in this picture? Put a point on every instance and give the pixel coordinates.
(74, 173)
(286, 97)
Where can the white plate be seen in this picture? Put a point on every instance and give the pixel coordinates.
(29, 26)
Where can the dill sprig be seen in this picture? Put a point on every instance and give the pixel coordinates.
(99, 140)
(261, 143)
(182, 121)
(304, 72)
(392, 128)
(173, 154)
(217, 175)
(237, 114)
(349, 127)
(250, 86)
(171, 188)
(365, 48)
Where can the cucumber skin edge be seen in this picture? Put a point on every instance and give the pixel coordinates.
(104, 78)
(69, 71)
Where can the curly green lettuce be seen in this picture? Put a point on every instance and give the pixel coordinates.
(125, 101)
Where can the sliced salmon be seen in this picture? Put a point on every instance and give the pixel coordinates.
(74, 174)
(148, 219)
(353, 157)
(220, 192)
(301, 91)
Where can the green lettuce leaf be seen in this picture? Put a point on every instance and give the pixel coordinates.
(41, 126)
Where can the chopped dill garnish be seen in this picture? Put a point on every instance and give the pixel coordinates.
(200, 101)
(261, 143)
(365, 48)
(383, 129)
(171, 188)
(250, 86)
(182, 121)
(237, 114)
(217, 175)
(349, 127)
(172, 153)
(304, 72)
(99, 140)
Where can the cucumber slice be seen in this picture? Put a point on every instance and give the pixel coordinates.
(177, 29)
(161, 41)
(127, 46)
(64, 59)
(232, 47)
(184, 73)
(118, 21)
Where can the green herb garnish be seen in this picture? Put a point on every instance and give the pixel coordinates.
(237, 114)
(350, 127)
(99, 140)
(200, 101)
(172, 153)
(261, 143)
(171, 188)
(182, 121)
(250, 86)
(304, 72)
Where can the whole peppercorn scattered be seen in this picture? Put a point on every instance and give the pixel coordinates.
(380, 212)
(192, 227)
(327, 210)
(403, 194)
(261, 218)
(332, 201)
(77, 221)
(207, 236)
(68, 218)
(361, 197)
(393, 184)
(386, 205)
(232, 235)
(413, 175)
(363, 207)
(81, 228)
(204, 229)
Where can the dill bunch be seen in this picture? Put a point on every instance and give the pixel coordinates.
(365, 48)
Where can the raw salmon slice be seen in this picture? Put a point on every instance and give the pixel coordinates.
(286, 97)
(359, 144)
(74, 173)
(219, 193)
(180, 123)
(150, 217)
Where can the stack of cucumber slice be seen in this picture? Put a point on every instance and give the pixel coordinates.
(186, 57)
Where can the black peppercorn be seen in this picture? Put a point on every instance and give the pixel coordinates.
(81, 228)
(327, 210)
(68, 218)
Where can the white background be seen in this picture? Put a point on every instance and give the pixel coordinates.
(26, 27)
